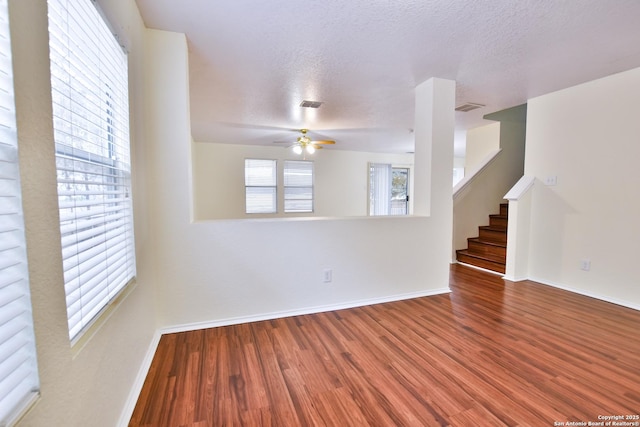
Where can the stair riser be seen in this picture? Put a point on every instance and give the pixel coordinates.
(496, 253)
(497, 221)
(493, 236)
(493, 266)
(504, 209)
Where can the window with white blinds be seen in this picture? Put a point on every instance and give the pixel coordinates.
(260, 180)
(18, 367)
(379, 189)
(298, 186)
(89, 83)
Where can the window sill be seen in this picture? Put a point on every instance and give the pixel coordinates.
(87, 333)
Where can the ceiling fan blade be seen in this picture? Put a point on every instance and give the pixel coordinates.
(323, 142)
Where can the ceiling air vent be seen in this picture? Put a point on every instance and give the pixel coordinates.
(469, 106)
(310, 104)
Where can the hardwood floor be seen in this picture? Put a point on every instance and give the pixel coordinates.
(491, 353)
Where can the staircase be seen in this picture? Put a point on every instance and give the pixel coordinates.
(489, 249)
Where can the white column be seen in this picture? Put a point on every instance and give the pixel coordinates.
(434, 130)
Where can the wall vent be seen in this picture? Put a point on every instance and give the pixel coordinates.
(469, 106)
(310, 104)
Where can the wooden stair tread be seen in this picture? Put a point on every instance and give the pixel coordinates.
(466, 252)
(484, 242)
(465, 256)
(493, 228)
(499, 258)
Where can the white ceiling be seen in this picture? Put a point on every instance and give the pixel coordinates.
(253, 61)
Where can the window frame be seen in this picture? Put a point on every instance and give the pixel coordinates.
(374, 208)
(90, 97)
(292, 186)
(255, 186)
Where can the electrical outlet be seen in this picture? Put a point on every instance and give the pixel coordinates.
(585, 265)
(327, 275)
(551, 180)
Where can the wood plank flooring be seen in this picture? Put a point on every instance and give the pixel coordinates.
(491, 353)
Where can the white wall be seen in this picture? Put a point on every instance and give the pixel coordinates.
(340, 179)
(480, 142)
(587, 136)
(86, 385)
(232, 270)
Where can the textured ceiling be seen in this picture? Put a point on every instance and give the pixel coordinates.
(253, 62)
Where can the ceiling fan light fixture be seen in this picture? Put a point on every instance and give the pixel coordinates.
(297, 149)
(311, 149)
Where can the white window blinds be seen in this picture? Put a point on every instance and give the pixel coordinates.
(89, 85)
(18, 367)
(379, 189)
(298, 186)
(260, 186)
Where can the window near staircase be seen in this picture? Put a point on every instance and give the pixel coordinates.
(458, 174)
(388, 189)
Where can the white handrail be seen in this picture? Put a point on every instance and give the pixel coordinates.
(520, 188)
(489, 158)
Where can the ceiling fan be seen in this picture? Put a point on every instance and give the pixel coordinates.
(304, 144)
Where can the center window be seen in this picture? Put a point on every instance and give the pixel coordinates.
(298, 186)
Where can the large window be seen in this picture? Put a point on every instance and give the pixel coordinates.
(298, 186)
(18, 368)
(260, 180)
(91, 123)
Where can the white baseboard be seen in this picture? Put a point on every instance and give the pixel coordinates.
(514, 279)
(616, 301)
(298, 312)
(132, 399)
(605, 298)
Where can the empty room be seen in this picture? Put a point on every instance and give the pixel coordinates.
(319, 213)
